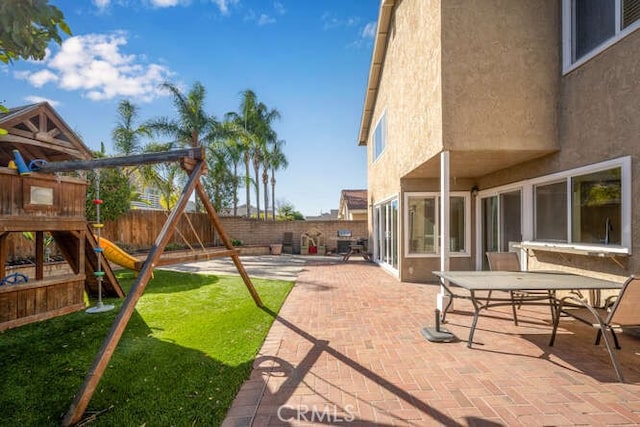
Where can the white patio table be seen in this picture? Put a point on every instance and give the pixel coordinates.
(475, 281)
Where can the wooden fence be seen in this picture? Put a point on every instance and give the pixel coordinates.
(138, 229)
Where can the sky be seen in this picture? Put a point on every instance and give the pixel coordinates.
(309, 59)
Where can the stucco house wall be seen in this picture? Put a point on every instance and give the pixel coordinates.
(409, 96)
(500, 75)
(453, 79)
(597, 121)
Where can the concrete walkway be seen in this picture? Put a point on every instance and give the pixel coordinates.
(283, 267)
(346, 349)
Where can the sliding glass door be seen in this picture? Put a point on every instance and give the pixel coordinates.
(386, 230)
(501, 217)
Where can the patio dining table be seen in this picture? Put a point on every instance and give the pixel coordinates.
(475, 281)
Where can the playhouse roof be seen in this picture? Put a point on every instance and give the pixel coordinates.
(38, 132)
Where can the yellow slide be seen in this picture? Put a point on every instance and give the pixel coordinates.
(116, 255)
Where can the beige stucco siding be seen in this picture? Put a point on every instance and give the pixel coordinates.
(598, 121)
(501, 71)
(409, 95)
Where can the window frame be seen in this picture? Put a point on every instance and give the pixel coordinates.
(624, 163)
(436, 195)
(528, 210)
(382, 121)
(568, 64)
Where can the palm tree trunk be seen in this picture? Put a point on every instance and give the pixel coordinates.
(256, 168)
(247, 181)
(235, 189)
(265, 182)
(273, 194)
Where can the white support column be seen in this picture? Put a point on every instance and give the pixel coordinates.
(443, 298)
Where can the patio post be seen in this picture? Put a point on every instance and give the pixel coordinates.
(443, 297)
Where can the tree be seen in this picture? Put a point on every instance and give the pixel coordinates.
(162, 176)
(243, 120)
(277, 161)
(287, 212)
(219, 182)
(116, 192)
(232, 144)
(27, 27)
(193, 127)
(256, 119)
(264, 137)
(126, 135)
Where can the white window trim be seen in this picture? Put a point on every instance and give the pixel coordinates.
(528, 209)
(436, 195)
(567, 37)
(375, 158)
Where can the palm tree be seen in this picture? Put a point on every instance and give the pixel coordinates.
(258, 151)
(277, 161)
(232, 145)
(269, 157)
(244, 120)
(193, 127)
(126, 136)
(219, 181)
(256, 119)
(162, 176)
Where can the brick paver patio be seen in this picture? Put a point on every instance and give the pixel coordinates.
(346, 349)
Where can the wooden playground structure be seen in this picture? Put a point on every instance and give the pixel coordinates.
(45, 201)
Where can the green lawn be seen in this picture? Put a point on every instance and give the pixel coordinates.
(184, 355)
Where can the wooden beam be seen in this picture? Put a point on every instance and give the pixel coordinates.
(197, 256)
(13, 223)
(82, 398)
(39, 255)
(227, 243)
(3, 254)
(48, 145)
(136, 160)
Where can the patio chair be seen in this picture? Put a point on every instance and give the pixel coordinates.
(622, 313)
(508, 261)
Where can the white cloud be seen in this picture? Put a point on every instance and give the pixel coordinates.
(330, 21)
(369, 30)
(165, 3)
(39, 78)
(223, 5)
(102, 4)
(95, 65)
(38, 99)
(279, 8)
(266, 19)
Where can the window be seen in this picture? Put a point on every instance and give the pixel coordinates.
(551, 212)
(422, 225)
(596, 212)
(593, 214)
(590, 26)
(380, 137)
(423, 228)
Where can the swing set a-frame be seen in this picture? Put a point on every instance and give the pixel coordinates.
(193, 162)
